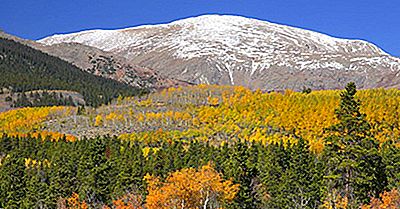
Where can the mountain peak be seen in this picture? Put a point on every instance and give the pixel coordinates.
(224, 49)
(224, 29)
(216, 19)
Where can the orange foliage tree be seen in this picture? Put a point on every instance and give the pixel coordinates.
(74, 203)
(129, 201)
(190, 188)
(388, 200)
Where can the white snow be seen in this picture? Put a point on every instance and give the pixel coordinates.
(237, 43)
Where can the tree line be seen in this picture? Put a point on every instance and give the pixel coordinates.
(23, 68)
(41, 99)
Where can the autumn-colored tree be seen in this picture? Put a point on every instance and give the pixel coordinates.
(98, 121)
(335, 201)
(129, 201)
(74, 203)
(387, 200)
(190, 188)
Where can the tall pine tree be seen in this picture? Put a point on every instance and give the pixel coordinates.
(354, 167)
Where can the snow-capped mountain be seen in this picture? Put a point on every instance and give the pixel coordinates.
(225, 49)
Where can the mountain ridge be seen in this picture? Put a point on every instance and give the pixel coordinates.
(26, 69)
(102, 63)
(207, 17)
(234, 50)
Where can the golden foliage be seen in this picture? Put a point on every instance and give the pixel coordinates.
(29, 119)
(221, 114)
(335, 201)
(129, 201)
(190, 188)
(26, 122)
(213, 101)
(98, 120)
(31, 163)
(44, 135)
(388, 200)
(74, 203)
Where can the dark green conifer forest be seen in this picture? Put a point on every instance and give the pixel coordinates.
(23, 68)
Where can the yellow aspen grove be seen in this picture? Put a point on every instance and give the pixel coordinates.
(215, 114)
(28, 119)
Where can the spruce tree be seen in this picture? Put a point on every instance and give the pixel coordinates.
(37, 189)
(94, 173)
(391, 159)
(63, 175)
(12, 182)
(354, 167)
(243, 172)
(130, 170)
(291, 176)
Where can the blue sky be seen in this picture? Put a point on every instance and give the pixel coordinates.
(377, 21)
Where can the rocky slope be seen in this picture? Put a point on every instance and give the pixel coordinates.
(109, 65)
(234, 50)
(102, 63)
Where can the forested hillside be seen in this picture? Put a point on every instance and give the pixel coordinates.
(206, 147)
(23, 68)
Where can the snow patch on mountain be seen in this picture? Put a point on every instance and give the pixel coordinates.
(207, 34)
(233, 44)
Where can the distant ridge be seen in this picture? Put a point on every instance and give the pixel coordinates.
(234, 50)
(23, 69)
(102, 63)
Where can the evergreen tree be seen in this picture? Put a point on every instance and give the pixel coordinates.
(391, 159)
(12, 182)
(25, 69)
(94, 173)
(354, 166)
(63, 173)
(37, 189)
(130, 170)
(238, 167)
(291, 176)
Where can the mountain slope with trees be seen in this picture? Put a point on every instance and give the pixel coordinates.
(102, 63)
(24, 69)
